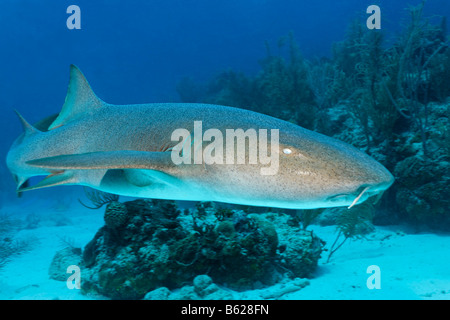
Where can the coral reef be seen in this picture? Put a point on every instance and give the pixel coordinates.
(159, 246)
(423, 182)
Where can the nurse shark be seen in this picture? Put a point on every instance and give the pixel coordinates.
(130, 150)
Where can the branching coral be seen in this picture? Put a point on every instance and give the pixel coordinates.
(98, 198)
(10, 245)
(352, 223)
(417, 51)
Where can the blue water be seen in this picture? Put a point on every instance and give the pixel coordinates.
(137, 51)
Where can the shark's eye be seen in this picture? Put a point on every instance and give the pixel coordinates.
(287, 151)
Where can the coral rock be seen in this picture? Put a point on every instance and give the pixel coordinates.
(115, 215)
(62, 260)
(153, 249)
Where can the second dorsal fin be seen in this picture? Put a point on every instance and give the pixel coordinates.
(27, 128)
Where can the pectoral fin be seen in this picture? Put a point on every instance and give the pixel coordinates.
(54, 179)
(107, 160)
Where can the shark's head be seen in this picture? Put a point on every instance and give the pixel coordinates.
(324, 172)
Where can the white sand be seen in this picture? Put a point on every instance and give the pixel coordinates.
(412, 266)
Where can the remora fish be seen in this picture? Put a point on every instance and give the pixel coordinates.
(127, 150)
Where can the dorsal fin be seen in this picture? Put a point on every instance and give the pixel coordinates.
(80, 99)
(27, 128)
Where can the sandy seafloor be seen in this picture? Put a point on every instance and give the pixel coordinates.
(412, 265)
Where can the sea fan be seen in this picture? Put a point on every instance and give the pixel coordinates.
(98, 198)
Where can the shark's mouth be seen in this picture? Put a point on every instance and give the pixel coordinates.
(359, 196)
(365, 191)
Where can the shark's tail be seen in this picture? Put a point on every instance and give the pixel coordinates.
(80, 101)
(28, 131)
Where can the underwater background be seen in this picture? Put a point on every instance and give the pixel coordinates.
(314, 63)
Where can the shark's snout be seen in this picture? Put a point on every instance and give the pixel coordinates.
(381, 179)
(358, 177)
(384, 182)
